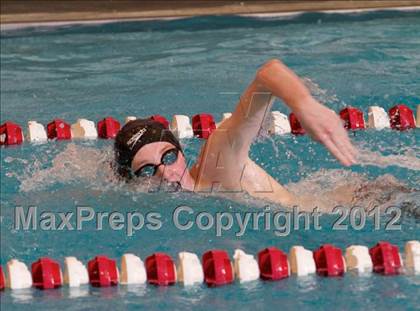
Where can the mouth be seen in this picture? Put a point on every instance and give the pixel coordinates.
(172, 186)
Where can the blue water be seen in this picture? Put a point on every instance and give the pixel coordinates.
(202, 65)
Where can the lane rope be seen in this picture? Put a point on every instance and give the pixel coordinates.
(215, 268)
(399, 117)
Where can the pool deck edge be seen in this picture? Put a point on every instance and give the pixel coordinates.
(24, 12)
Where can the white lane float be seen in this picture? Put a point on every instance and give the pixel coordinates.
(129, 118)
(245, 266)
(412, 256)
(399, 117)
(378, 118)
(301, 261)
(84, 128)
(225, 116)
(181, 127)
(75, 273)
(36, 132)
(358, 259)
(18, 275)
(189, 270)
(216, 268)
(132, 270)
(278, 123)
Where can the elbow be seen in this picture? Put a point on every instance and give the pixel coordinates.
(267, 69)
(272, 63)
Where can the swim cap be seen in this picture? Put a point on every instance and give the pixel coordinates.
(133, 136)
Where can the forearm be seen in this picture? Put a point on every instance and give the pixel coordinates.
(282, 82)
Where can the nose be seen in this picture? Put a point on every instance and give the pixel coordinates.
(171, 173)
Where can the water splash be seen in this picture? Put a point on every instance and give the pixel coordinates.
(75, 164)
(329, 188)
(410, 159)
(91, 168)
(322, 95)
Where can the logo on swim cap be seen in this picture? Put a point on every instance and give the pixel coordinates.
(135, 138)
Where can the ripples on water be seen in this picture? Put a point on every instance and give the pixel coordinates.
(202, 65)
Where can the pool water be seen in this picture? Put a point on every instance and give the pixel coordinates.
(200, 65)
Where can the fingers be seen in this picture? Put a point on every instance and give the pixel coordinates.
(335, 151)
(342, 141)
(344, 138)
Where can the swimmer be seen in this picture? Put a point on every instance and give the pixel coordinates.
(144, 149)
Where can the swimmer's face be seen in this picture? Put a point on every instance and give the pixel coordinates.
(162, 160)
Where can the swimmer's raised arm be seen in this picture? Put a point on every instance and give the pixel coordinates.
(276, 79)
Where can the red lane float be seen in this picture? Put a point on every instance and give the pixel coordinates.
(273, 264)
(401, 118)
(108, 128)
(329, 261)
(295, 126)
(161, 119)
(385, 258)
(103, 272)
(2, 282)
(217, 268)
(10, 134)
(353, 118)
(46, 273)
(160, 269)
(58, 129)
(203, 125)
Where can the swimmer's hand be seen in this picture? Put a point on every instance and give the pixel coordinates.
(323, 125)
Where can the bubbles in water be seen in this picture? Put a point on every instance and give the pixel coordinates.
(409, 159)
(90, 167)
(329, 188)
(79, 164)
(319, 93)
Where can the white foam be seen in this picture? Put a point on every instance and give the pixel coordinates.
(409, 160)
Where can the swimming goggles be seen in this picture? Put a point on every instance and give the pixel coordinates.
(168, 158)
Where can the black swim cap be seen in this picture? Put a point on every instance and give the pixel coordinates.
(133, 136)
